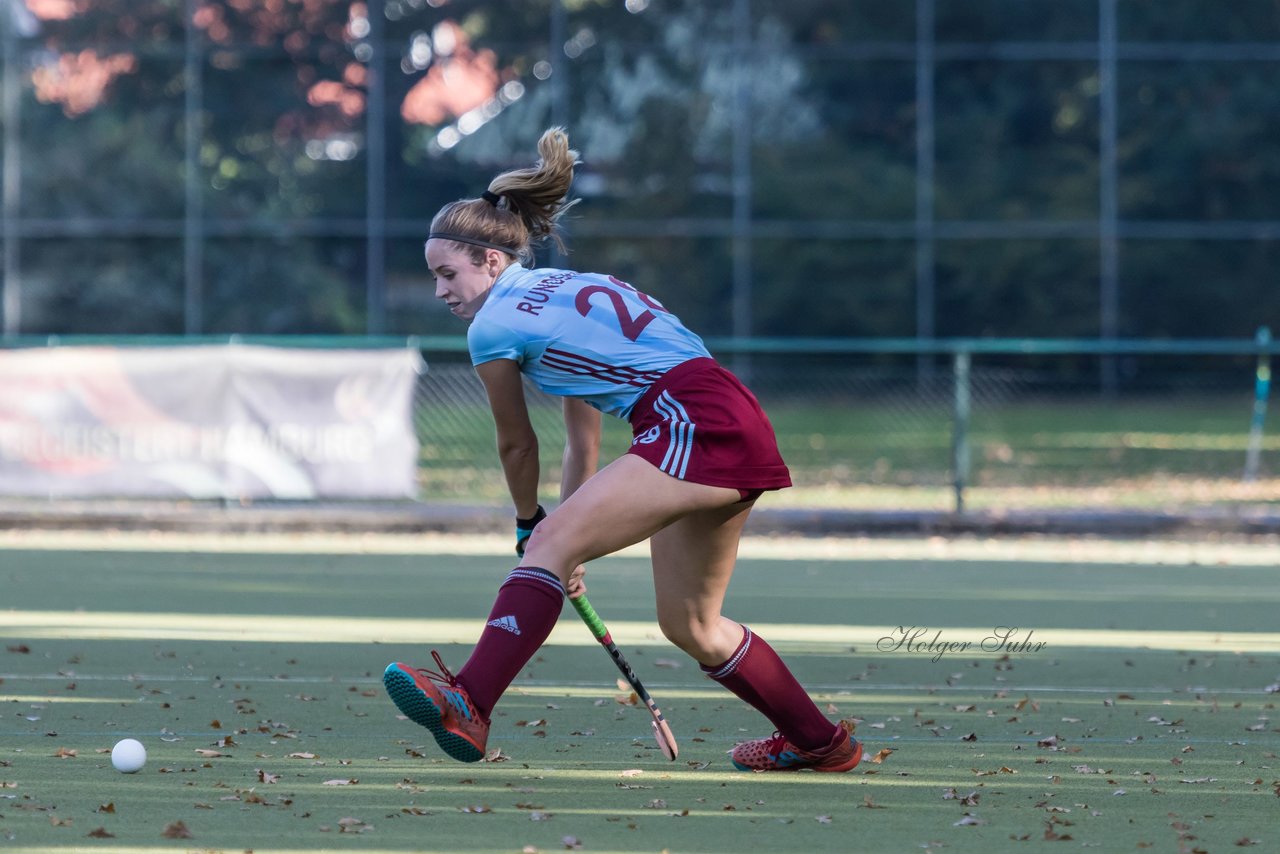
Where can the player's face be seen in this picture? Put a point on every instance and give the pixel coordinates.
(460, 282)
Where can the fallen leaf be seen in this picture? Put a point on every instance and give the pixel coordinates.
(353, 825)
(111, 808)
(302, 756)
(340, 782)
(176, 830)
(210, 754)
(571, 842)
(21, 649)
(969, 820)
(869, 804)
(823, 819)
(59, 822)
(265, 777)
(101, 833)
(882, 755)
(478, 809)
(65, 753)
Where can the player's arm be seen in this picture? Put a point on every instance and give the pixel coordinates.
(581, 455)
(581, 446)
(517, 442)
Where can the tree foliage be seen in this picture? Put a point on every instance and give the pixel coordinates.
(660, 96)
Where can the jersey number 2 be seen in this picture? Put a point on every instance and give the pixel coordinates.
(631, 326)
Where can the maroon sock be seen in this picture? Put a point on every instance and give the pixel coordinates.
(523, 615)
(756, 674)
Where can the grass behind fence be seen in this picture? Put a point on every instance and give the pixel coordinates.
(1084, 451)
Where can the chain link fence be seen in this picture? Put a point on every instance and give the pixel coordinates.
(992, 431)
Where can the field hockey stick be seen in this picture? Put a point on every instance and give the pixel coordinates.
(661, 732)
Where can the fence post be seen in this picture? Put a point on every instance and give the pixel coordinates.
(1261, 393)
(960, 427)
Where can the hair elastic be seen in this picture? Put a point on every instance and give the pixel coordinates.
(444, 235)
(491, 198)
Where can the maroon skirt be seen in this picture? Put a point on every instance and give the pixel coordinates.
(699, 423)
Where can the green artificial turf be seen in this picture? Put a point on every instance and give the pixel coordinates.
(1147, 720)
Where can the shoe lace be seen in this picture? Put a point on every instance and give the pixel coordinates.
(775, 744)
(456, 698)
(444, 675)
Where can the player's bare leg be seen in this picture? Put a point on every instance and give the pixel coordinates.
(693, 559)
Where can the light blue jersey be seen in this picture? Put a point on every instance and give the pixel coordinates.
(583, 335)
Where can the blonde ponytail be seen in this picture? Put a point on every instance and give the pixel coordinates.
(520, 207)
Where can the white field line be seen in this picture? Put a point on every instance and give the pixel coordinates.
(1029, 549)
(942, 642)
(670, 690)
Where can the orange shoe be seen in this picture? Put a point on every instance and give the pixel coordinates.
(439, 703)
(778, 754)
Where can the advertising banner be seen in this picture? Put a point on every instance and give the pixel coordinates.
(208, 422)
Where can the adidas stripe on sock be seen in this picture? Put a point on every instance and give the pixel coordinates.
(756, 674)
(524, 613)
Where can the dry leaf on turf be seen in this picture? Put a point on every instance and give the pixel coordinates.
(176, 830)
(882, 755)
(101, 833)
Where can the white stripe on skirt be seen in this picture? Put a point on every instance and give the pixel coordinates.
(676, 460)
